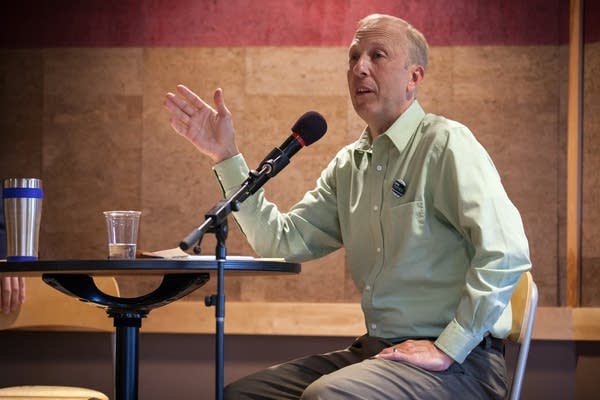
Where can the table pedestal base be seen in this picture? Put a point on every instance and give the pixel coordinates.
(127, 314)
(127, 353)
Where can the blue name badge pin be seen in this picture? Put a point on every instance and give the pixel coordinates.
(399, 188)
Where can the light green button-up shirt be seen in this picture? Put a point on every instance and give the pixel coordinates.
(439, 261)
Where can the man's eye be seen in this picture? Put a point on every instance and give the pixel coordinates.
(378, 55)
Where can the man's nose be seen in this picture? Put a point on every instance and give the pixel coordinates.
(361, 68)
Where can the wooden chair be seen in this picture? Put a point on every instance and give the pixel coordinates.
(46, 309)
(524, 304)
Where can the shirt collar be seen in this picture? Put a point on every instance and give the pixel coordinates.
(401, 130)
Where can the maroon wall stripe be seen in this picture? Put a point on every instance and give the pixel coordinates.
(591, 21)
(220, 23)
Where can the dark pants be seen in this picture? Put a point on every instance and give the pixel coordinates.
(352, 373)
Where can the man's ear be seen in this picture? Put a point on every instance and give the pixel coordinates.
(417, 73)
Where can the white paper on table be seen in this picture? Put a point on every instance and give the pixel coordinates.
(177, 253)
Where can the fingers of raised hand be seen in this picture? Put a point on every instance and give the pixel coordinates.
(179, 126)
(180, 110)
(192, 98)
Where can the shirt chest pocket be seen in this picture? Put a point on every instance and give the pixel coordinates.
(404, 226)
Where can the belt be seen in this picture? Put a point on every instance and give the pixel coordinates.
(490, 342)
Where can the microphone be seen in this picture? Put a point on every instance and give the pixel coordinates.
(309, 128)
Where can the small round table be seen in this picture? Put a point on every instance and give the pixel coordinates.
(180, 278)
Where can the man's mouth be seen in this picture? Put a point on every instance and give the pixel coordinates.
(363, 90)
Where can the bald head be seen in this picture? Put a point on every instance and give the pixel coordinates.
(414, 42)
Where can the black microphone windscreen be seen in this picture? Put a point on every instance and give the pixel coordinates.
(311, 126)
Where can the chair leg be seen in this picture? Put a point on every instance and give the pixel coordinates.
(517, 381)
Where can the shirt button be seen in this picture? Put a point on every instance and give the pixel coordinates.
(379, 168)
(374, 326)
(368, 287)
(375, 208)
(379, 249)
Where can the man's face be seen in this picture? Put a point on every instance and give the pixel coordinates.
(378, 78)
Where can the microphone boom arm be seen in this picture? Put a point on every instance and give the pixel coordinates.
(310, 127)
(275, 161)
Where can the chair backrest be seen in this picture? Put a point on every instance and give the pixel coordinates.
(48, 309)
(523, 304)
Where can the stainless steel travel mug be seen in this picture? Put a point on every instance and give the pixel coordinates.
(22, 216)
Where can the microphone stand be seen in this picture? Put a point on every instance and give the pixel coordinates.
(216, 222)
(218, 300)
(220, 229)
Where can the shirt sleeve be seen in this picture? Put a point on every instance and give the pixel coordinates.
(310, 229)
(469, 196)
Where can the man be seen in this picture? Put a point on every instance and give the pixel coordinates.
(432, 240)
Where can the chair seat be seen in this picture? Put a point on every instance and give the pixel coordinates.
(39, 392)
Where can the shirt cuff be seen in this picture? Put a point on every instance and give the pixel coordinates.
(457, 342)
(231, 173)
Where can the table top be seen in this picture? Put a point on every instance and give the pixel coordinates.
(147, 266)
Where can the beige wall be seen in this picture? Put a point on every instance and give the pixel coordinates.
(590, 265)
(90, 123)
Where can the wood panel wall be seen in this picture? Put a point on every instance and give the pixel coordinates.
(81, 107)
(590, 234)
